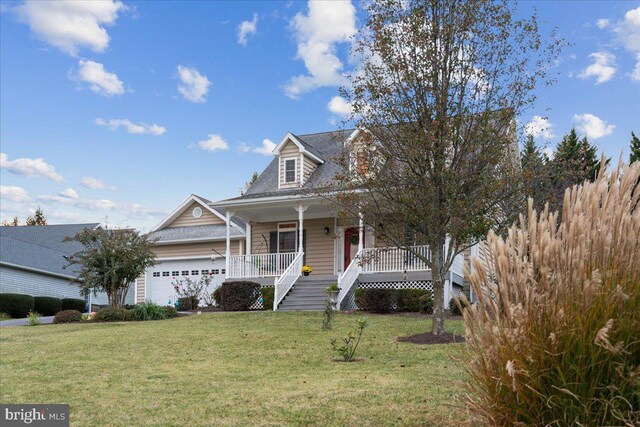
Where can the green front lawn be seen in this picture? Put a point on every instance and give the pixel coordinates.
(234, 369)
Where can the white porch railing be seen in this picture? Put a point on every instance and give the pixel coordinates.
(284, 283)
(348, 278)
(389, 260)
(263, 265)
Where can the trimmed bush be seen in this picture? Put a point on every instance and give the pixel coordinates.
(17, 306)
(148, 311)
(268, 294)
(216, 297)
(359, 297)
(47, 306)
(170, 312)
(112, 314)
(238, 296)
(409, 299)
(74, 304)
(426, 304)
(379, 300)
(188, 303)
(454, 310)
(67, 316)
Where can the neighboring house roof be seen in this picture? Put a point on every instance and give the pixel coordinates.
(325, 145)
(41, 247)
(194, 233)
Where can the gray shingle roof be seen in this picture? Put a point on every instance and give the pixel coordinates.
(218, 231)
(326, 145)
(41, 247)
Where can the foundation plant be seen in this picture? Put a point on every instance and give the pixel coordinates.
(554, 336)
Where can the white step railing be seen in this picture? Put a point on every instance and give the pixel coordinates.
(348, 278)
(389, 260)
(263, 265)
(284, 283)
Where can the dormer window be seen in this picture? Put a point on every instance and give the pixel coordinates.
(290, 170)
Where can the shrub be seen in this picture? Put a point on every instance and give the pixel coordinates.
(67, 316)
(4, 316)
(359, 297)
(33, 319)
(170, 312)
(238, 296)
(74, 304)
(553, 337)
(268, 294)
(113, 314)
(47, 306)
(17, 306)
(188, 303)
(216, 296)
(409, 299)
(347, 348)
(426, 304)
(379, 300)
(454, 309)
(148, 311)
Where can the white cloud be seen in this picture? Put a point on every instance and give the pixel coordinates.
(69, 193)
(628, 32)
(102, 206)
(317, 34)
(247, 28)
(603, 67)
(266, 148)
(592, 126)
(92, 183)
(15, 194)
(550, 152)
(29, 167)
(71, 25)
(134, 128)
(213, 142)
(195, 86)
(539, 127)
(100, 80)
(340, 106)
(602, 23)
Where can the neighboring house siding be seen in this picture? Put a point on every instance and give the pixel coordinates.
(140, 288)
(196, 249)
(13, 280)
(319, 247)
(186, 218)
(290, 150)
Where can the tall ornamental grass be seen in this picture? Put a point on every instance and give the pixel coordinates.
(554, 338)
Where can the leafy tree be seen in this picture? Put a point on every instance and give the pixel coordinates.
(634, 155)
(436, 96)
(13, 223)
(111, 261)
(37, 218)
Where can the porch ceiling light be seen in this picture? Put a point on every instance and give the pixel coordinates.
(326, 231)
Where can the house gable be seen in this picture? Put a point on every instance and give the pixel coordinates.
(190, 218)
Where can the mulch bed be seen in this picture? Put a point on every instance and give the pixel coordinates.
(429, 338)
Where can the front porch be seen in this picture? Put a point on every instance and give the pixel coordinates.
(285, 235)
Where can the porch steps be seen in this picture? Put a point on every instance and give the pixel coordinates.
(308, 294)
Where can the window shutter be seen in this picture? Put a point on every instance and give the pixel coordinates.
(273, 242)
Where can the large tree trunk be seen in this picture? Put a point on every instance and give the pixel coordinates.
(437, 281)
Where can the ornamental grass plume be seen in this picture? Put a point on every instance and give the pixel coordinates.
(554, 336)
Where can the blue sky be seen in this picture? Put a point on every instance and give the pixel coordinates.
(121, 110)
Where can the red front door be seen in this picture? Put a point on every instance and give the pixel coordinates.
(350, 245)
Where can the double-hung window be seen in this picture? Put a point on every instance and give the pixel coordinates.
(289, 170)
(287, 237)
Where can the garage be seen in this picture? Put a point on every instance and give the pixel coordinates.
(162, 276)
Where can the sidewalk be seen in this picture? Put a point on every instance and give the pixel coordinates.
(24, 322)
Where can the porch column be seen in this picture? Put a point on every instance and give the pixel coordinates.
(360, 232)
(228, 251)
(248, 238)
(301, 208)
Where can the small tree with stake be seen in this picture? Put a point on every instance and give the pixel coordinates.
(111, 261)
(440, 85)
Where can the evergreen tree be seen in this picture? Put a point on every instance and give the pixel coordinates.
(14, 223)
(37, 218)
(535, 174)
(634, 155)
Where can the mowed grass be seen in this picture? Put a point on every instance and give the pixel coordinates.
(261, 368)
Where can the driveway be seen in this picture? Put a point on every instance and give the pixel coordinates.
(24, 322)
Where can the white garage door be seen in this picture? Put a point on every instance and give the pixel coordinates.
(162, 276)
